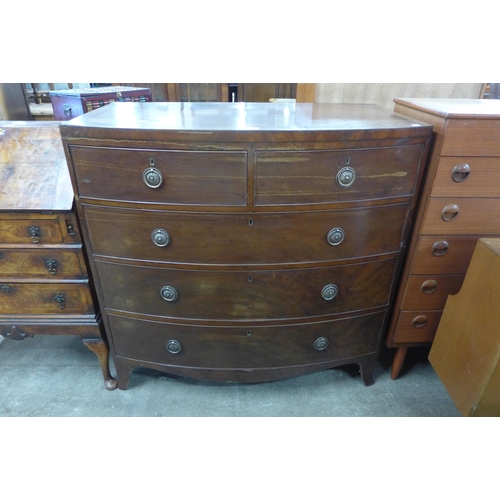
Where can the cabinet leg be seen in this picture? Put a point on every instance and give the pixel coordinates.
(123, 371)
(101, 350)
(367, 368)
(398, 361)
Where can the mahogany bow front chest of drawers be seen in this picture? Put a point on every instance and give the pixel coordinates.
(44, 283)
(244, 242)
(460, 203)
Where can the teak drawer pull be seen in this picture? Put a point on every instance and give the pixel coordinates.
(449, 212)
(419, 321)
(460, 173)
(429, 286)
(439, 248)
(335, 236)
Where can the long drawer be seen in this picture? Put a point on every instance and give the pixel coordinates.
(161, 177)
(294, 178)
(245, 295)
(246, 238)
(245, 346)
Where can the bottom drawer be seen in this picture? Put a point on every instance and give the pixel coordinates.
(416, 327)
(242, 347)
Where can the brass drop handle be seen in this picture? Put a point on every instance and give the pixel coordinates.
(51, 266)
(335, 236)
(160, 237)
(173, 346)
(346, 177)
(460, 173)
(68, 112)
(419, 321)
(169, 293)
(439, 248)
(61, 300)
(321, 343)
(152, 177)
(35, 233)
(429, 286)
(449, 212)
(329, 292)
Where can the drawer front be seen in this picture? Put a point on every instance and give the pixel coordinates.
(466, 216)
(294, 178)
(41, 263)
(471, 138)
(416, 326)
(45, 298)
(430, 291)
(161, 177)
(30, 231)
(246, 238)
(443, 254)
(469, 177)
(245, 347)
(245, 295)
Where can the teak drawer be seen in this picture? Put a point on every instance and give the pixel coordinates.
(30, 231)
(246, 346)
(43, 263)
(430, 291)
(246, 239)
(163, 177)
(466, 216)
(417, 326)
(294, 178)
(470, 177)
(472, 137)
(244, 295)
(45, 298)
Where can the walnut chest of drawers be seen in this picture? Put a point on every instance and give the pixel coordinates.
(460, 203)
(44, 283)
(244, 242)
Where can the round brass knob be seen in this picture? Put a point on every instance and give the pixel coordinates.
(160, 237)
(449, 212)
(460, 173)
(335, 236)
(429, 286)
(346, 177)
(173, 346)
(439, 248)
(321, 343)
(419, 321)
(169, 293)
(152, 177)
(329, 292)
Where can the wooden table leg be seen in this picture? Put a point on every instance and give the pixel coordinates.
(398, 361)
(101, 350)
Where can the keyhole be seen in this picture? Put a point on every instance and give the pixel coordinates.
(249, 279)
(250, 222)
(151, 162)
(348, 160)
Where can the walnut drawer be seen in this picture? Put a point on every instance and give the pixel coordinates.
(470, 177)
(246, 238)
(443, 254)
(31, 231)
(189, 177)
(40, 262)
(45, 298)
(245, 346)
(244, 295)
(426, 291)
(471, 137)
(294, 177)
(416, 326)
(470, 216)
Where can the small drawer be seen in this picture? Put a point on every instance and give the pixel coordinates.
(245, 295)
(246, 346)
(462, 216)
(416, 326)
(44, 298)
(430, 291)
(41, 264)
(470, 177)
(246, 238)
(30, 232)
(472, 137)
(295, 177)
(161, 177)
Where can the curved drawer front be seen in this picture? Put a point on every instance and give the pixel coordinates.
(246, 238)
(244, 295)
(175, 177)
(294, 178)
(430, 291)
(30, 231)
(468, 177)
(41, 263)
(38, 298)
(245, 347)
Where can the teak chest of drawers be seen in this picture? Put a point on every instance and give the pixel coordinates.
(459, 204)
(244, 242)
(44, 283)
